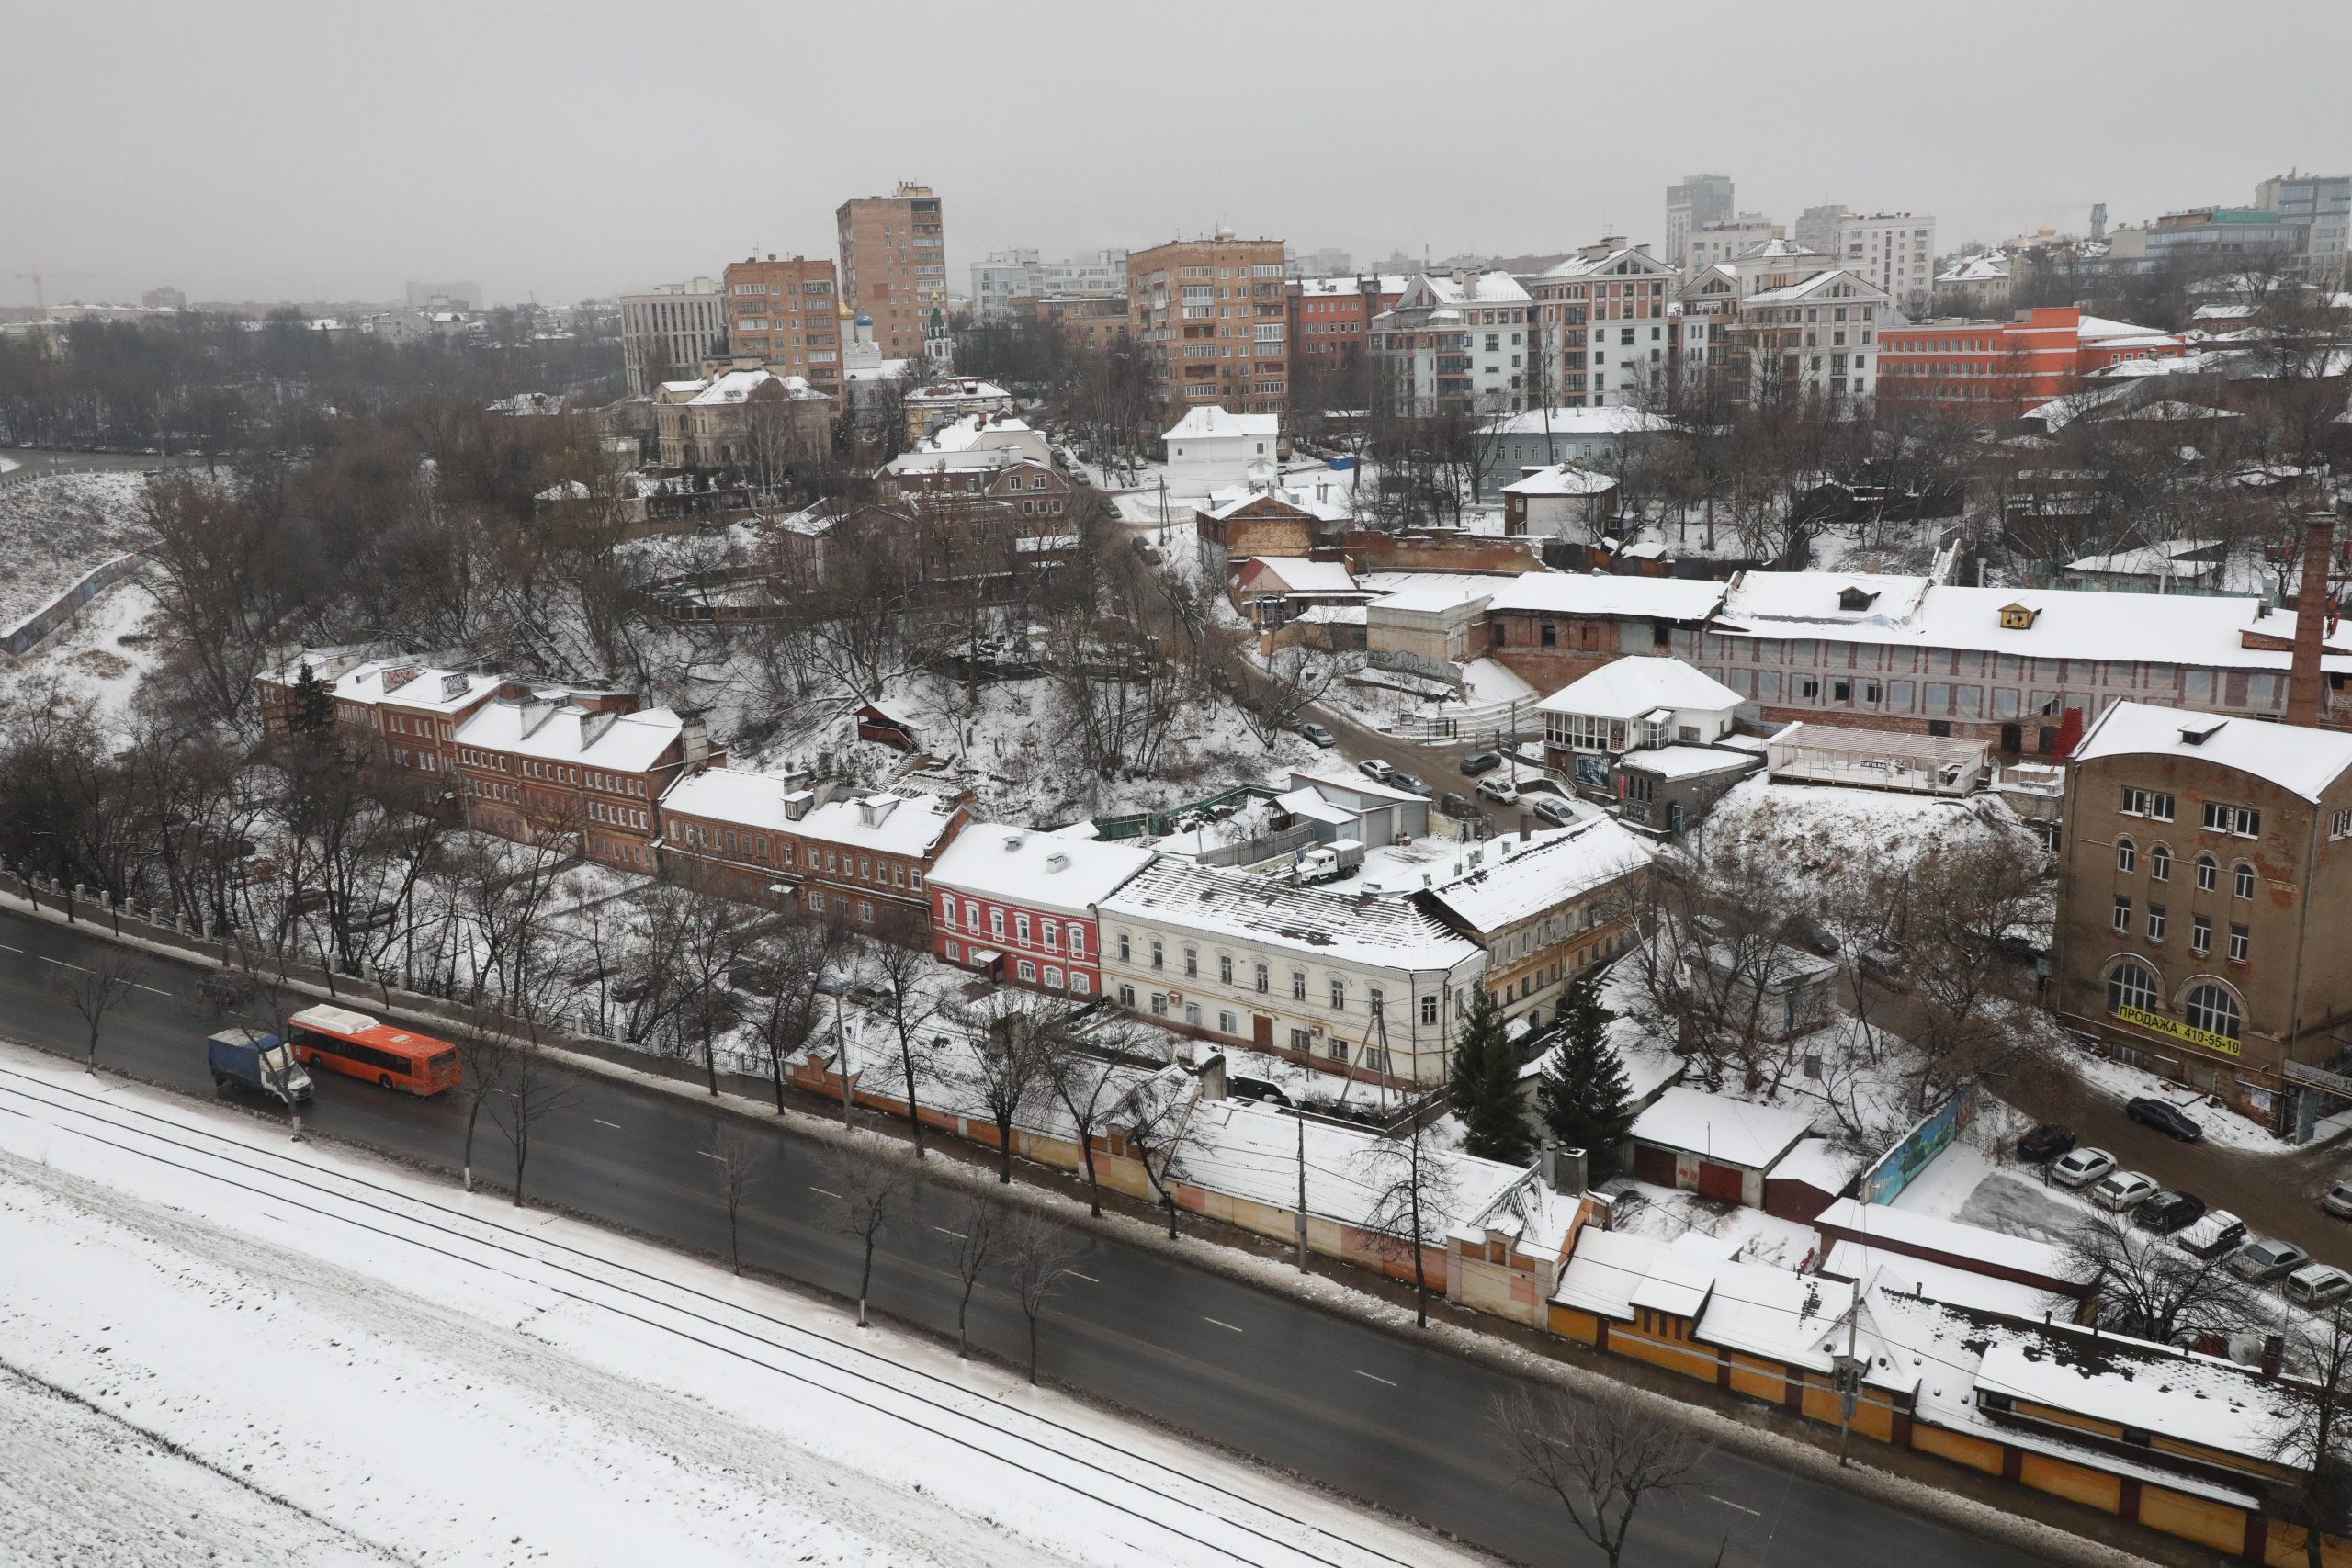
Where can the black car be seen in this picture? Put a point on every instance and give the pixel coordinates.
(2169, 1212)
(222, 988)
(2045, 1143)
(2165, 1118)
(1452, 804)
(1481, 762)
(1256, 1089)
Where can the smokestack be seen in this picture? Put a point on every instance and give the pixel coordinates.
(2306, 694)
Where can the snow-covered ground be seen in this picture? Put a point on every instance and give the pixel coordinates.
(275, 1354)
(54, 529)
(98, 657)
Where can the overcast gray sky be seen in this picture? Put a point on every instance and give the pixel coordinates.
(249, 149)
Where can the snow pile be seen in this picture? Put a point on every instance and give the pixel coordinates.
(325, 1360)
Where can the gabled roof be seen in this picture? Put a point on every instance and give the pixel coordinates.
(1562, 478)
(2300, 760)
(1021, 866)
(1628, 688)
(1517, 880)
(566, 732)
(1568, 423)
(1718, 1127)
(1811, 288)
(1211, 420)
(1978, 269)
(1592, 266)
(1303, 575)
(410, 684)
(1360, 928)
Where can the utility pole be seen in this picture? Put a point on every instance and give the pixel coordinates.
(1301, 1121)
(1846, 1376)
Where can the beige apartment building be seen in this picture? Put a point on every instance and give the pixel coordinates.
(667, 332)
(1216, 315)
(894, 264)
(2204, 925)
(787, 315)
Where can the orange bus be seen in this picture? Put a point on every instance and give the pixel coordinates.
(353, 1043)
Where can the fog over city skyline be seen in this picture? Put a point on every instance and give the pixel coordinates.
(266, 150)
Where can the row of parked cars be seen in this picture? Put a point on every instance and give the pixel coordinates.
(1540, 798)
(2200, 1231)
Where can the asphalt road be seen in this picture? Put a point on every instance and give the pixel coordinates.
(1364, 1412)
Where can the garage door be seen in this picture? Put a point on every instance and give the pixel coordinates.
(1723, 1182)
(1655, 1166)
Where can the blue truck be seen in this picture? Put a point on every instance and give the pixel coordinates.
(258, 1060)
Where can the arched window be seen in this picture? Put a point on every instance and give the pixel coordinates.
(2126, 857)
(2209, 875)
(2213, 1009)
(2131, 985)
(2159, 863)
(2242, 880)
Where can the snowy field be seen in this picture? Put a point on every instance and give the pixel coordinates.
(99, 656)
(52, 530)
(264, 1353)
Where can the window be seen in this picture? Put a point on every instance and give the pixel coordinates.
(996, 924)
(2131, 984)
(1052, 935)
(1028, 971)
(1301, 1041)
(2127, 859)
(1160, 1004)
(1429, 1008)
(2200, 934)
(1158, 954)
(1192, 1014)
(1298, 985)
(2242, 820)
(1192, 962)
(2155, 923)
(1080, 983)
(2242, 880)
(2122, 914)
(1127, 995)
(1338, 995)
(1021, 930)
(2208, 875)
(2159, 864)
(1124, 954)
(2213, 1009)
(2241, 944)
(1078, 942)
(1224, 968)
(1262, 980)
(2340, 825)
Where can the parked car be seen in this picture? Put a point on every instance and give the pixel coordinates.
(1256, 1089)
(2338, 1201)
(1318, 735)
(1481, 762)
(2268, 1257)
(2165, 1118)
(2317, 1285)
(1412, 784)
(2122, 1189)
(2169, 1212)
(1558, 813)
(1884, 962)
(2219, 1233)
(257, 1060)
(1452, 804)
(1374, 768)
(2046, 1141)
(222, 988)
(1807, 933)
(1500, 791)
(2080, 1168)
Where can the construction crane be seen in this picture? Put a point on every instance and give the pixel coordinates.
(37, 278)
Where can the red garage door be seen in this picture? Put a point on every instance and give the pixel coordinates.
(1653, 1165)
(1723, 1182)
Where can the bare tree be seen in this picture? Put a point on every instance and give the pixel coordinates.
(484, 1056)
(2315, 1439)
(1412, 1187)
(532, 1092)
(977, 1231)
(1153, 1115)
(95, 990)
(1012, 1042)
(869, 1182)
(1039, 1254)
(738, 1154)
(899, 970)
(790, 959)
(2151, 1290)
(1601, 1454)
(1089, 1088)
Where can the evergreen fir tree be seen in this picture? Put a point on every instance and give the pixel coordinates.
(1584, 1096)
(1485, 1087)
(310, 705)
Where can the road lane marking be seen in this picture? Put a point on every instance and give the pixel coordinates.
(1088, 1277)
(1729, 1504)
(613, 1125)
(833, 1195)
(1375, 1376)
(944, 1231)
(150, 990)
(45, 958)
(1226, 1327)
(4, 947)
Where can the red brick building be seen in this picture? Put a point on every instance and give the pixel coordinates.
(1330, 316)
(403, 713)
(589, 764)
(1017, 905)
(1995, 370)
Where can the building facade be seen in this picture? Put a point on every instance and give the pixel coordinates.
(667, 332)
(1214, 315)
(1995, 370)
(1330, 317)
(1602, 325)
(1456, 343)
(2322, 203)
(1710, 244)
(2205, 895)
(894, 266)
(1017, 905)
(863, 862)
(586, 766)
(787, 315)
(1698, 200)
(1896, 250)
(1818, 338)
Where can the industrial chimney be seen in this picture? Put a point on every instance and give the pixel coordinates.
(2306, 688)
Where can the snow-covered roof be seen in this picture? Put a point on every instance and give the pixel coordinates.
(2300, 760)
(2109, 333)
(1628, 688)
(1361, 928)
(1518, 880)
(902, 821)
(1810, 287)
(1615, 419)
(725, 795)
(1728, 1130)
(1588, 265)
(1349, 789)
(1023, 866)
(1820, 1165)
(1303, 575)
(1976, 269)
(1485, 288)
(1210, 420)
(1936, 1281)
(2171, 411)
(1324, 288)
(2204, 1400)
(1901, 1229)
(1814, 596)
(738, 385)
(1561, 478)
(1688, 762)
(1775, 1312)
(961, 388)
(566, 732)
(1250, 1151)
(410, 684)
(1598, 593)
(1610, 1269)
(2166, 557)
(1441, 591)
